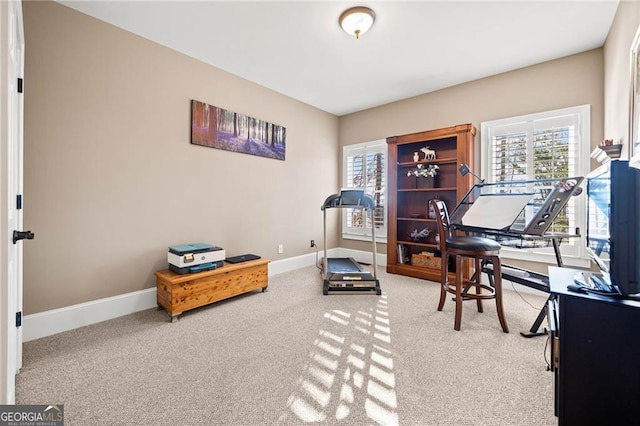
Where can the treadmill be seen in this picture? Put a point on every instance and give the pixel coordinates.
(344, 273)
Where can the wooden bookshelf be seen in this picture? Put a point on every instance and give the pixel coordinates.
(409, 196)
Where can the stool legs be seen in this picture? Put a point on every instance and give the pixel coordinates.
(458, 287)
(444, 279)
(478, 274)
(497, 275)
(459, 296)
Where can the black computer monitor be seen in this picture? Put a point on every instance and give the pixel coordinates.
(613, 228)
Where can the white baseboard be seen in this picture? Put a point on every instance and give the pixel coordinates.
(42, 324)
(56, 321)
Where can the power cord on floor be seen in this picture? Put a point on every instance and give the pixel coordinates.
(546, 346)
(522, 297)
(318, 265)
(546, 343)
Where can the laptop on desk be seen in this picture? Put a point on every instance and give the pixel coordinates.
(242, 258)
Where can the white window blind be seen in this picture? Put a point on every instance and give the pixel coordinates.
(364, 166)
(537, 147)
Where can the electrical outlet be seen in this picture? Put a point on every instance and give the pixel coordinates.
(313, 243)
(280, 248)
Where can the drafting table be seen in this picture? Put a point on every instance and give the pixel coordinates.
(519, 214)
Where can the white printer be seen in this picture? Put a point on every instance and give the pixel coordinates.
(195, 257)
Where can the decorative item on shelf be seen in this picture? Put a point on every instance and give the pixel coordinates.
(606, 151)
(613, 151)
(420, 236)
(416, 157)
(426, 259)
(429, 154)
(428, 171)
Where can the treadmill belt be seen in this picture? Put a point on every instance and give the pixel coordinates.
(343, 265)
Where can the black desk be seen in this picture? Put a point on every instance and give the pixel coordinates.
(597, 373)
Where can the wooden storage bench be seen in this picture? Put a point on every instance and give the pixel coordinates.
(179, 293)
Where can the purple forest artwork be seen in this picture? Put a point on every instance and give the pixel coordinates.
(219, 128)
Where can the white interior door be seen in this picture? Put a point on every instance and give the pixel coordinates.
(11, 130)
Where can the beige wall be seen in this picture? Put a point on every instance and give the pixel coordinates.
(110, 176)
(571, 81)
(617, 72)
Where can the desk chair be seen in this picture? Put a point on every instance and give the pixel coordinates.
(476, 248)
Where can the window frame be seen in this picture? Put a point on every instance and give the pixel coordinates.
(371, 147)
(574, 253)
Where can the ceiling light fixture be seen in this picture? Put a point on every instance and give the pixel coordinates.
(357, 20)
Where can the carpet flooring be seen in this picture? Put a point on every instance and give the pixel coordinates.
(292, 356)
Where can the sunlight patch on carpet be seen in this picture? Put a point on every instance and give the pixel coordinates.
(349, 374)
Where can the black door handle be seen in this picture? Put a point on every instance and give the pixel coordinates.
(22, 235)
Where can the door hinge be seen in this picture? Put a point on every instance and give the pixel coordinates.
(19, 319)
(19, 202)
(19, 85)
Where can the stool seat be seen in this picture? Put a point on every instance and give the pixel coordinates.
(477, 249)
(472, 244)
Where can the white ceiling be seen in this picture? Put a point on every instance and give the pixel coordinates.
(298, 49)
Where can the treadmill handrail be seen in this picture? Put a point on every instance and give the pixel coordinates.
(364, 201)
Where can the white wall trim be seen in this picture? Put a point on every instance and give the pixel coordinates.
(47, 323)
(56, 321)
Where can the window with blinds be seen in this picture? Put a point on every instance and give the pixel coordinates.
(364, 166)
(537, 147)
